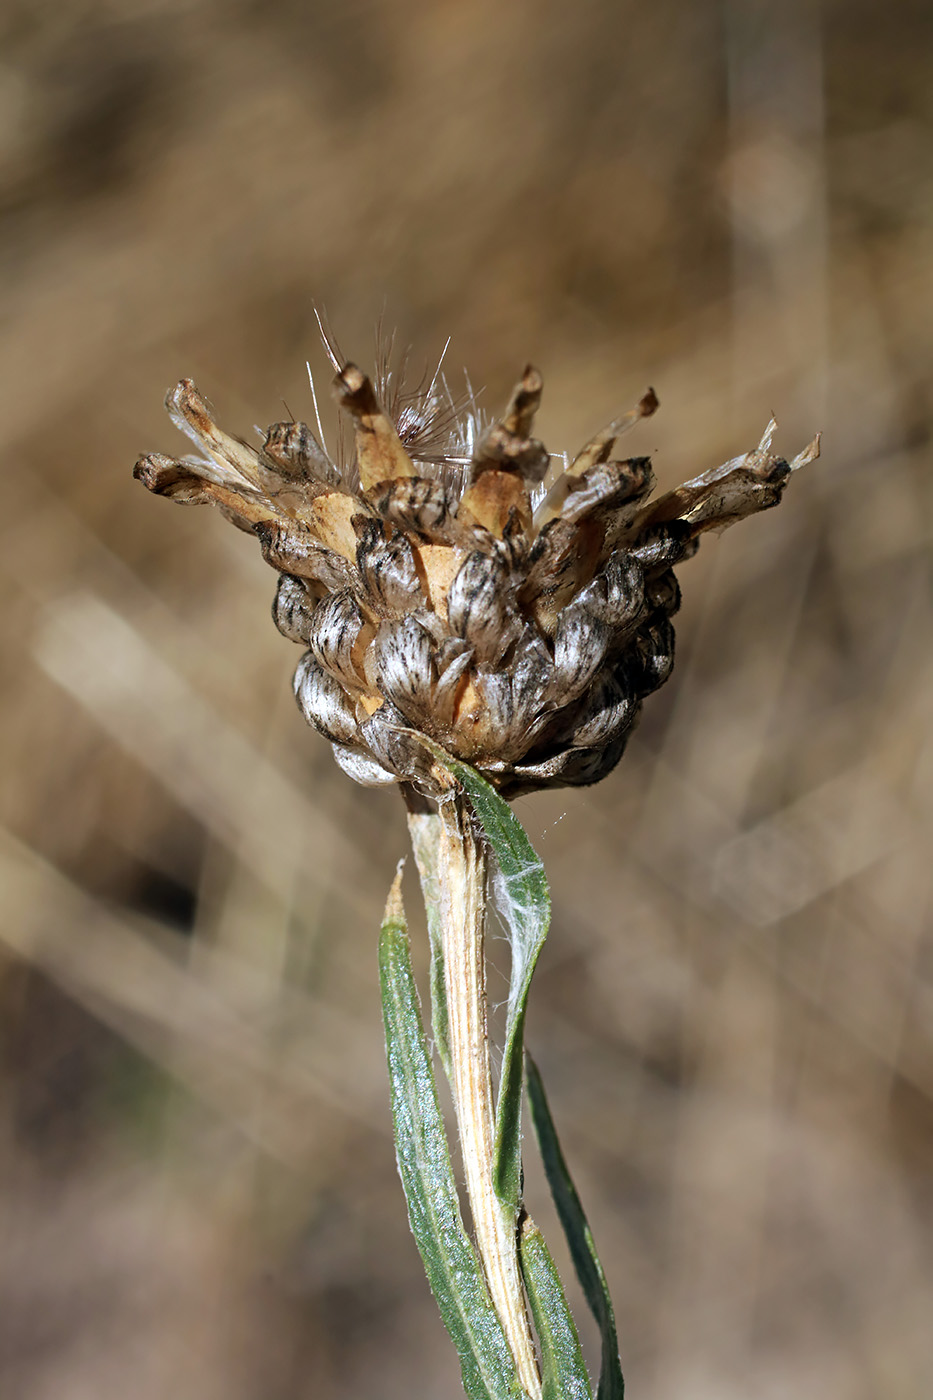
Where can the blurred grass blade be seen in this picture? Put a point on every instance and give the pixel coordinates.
(427, 1176)
(579, 1237)
(563, 1373)
(525, 903)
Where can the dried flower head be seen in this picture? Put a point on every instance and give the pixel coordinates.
(441, 588)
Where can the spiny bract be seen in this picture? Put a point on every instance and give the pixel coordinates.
(441, 589)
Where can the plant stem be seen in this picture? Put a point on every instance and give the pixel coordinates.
(462, 871)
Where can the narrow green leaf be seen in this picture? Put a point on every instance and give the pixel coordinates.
(563, 1372)
(579, 1237)
(425, 831)
(525, 902)
(451, 1265)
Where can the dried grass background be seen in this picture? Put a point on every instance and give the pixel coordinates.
(732, 202)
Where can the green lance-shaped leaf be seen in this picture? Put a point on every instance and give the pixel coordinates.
(525, 902)
(563, 1372)
(425, 831)
(579, 1237)
(427, 1177)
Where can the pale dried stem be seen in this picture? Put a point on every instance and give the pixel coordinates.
(462, 871)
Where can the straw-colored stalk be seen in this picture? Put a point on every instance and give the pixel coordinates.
(461, 872)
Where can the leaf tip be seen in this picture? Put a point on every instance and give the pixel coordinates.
(528, 1228)
(395, 909)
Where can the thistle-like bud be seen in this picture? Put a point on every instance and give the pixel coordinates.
(442, 590)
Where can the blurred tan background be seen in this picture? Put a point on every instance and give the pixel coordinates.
(731, 201)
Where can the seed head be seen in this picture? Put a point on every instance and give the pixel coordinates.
(442, 590)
